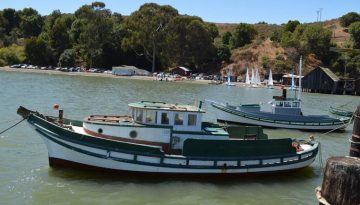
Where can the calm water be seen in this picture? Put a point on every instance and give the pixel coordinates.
(27, 179)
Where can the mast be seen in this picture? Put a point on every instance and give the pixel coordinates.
(247, 80)
(292, 80)
(300, 67)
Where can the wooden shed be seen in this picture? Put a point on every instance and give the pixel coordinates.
(180, 70)
(321, 80)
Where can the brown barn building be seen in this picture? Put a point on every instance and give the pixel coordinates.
(321, 80)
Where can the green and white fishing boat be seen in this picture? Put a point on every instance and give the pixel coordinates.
(161, 138)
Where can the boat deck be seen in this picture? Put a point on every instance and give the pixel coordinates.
(109, 119)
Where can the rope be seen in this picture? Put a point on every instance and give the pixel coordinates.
(345, 124)
(321, 159)
(350, 140)
(7, 121)
(12, 126)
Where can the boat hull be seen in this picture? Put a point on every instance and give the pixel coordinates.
(64, 147)
(225, 114)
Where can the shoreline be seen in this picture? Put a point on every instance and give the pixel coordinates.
(88, 74)
(104, 75)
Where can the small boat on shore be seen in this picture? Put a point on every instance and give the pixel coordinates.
(162, 139)
(340, 112)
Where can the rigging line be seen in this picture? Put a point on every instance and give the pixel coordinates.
(7, 121)
(12, 126)
(344, 124)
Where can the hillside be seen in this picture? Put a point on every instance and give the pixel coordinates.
(262, 48)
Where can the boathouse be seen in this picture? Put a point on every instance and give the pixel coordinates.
(181, 70)
(321, 80)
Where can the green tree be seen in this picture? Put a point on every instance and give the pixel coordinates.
(213, 29)
(223, 53)
(13, 54)
(59, 38)
(226, 38)
(147, 30)
(68, 58)
(291, 25)
(242, 35)
(354, 30)
(31, 22)
(317, 40)
(37, 51)
(349, 18)
(12, 19)
(90, 32)
(183, 46)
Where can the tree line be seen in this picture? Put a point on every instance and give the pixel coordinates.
(155, 37)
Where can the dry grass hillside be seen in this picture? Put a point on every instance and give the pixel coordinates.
(252, 55)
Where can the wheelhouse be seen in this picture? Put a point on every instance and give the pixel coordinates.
(180, 117)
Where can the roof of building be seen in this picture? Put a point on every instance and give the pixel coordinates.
(329, 73)
(183, 68)
(166, 106)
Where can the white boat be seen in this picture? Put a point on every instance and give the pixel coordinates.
(161, 138)
(286, 113)
(270, 81)
(228, 83)
(247, 78)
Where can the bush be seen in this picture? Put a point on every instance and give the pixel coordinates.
(13, 54)
(349, 18)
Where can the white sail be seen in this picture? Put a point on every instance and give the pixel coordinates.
(228, 79)
(270, 81)
(300, 67)
(247, 80)
(257, 77)
(252, 76)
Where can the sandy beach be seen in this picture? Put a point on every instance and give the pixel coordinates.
(89, 74)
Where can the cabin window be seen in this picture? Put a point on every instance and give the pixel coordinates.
(150, 116)
(179, 119)
(164, 118)
(191, 120)
(295, 104)
(139, 115)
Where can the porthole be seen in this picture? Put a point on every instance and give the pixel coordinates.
(100, 130)
(133, 134)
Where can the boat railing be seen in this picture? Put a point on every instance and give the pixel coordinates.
(242, 114)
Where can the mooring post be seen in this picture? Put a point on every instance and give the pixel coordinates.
(355, 138)
(61, 117)
(341, 183)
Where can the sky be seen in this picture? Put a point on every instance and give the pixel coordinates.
(224, 11)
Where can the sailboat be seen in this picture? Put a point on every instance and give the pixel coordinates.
(270, 81)
(247, 79)
(252, 76)
(228, 79)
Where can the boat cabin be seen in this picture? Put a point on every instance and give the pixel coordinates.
(286, 106)
(180, 117)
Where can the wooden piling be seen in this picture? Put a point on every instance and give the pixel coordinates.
(355, 138)
(341, 183)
